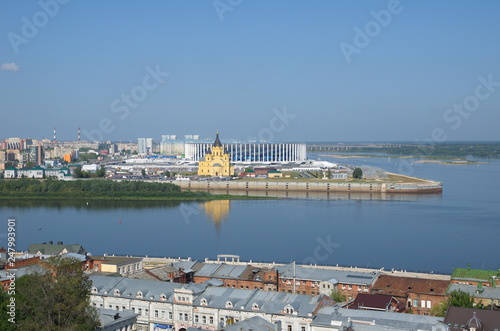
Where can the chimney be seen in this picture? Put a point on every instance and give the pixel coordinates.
(117, 316)
(50, 242)
(60, 243)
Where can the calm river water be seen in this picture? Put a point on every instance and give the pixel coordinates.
(424, 233)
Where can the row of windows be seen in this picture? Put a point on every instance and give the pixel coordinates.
(245, 287)
(423, 303)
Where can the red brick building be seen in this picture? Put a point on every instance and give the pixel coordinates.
(420, 294)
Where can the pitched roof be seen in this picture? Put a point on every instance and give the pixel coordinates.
(253, 323)
(55, 249)
(401, 286)
(372, 301)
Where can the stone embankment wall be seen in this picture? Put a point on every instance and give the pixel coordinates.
(242, 185)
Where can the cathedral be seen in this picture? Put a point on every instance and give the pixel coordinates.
(217, 161)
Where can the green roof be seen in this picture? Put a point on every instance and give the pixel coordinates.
(274, 172)
(462, 273)
(11, 168)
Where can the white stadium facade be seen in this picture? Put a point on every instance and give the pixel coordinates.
(252, 152)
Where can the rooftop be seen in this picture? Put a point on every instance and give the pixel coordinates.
(400, 286)
(474, 274)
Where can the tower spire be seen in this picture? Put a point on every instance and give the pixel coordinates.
(217, 142)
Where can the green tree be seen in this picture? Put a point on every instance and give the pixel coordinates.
(29, 164)
(55, 297)
(357, 173)
(101, 172)
(337, 296)
(457, 298)
(143, 172)
(166, 173)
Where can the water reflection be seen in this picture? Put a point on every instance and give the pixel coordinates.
(217, 211)
(332, 195)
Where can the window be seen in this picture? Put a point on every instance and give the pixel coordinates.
(422, 303)
(204, 319)
(196, 318)
(180, 316)
(415, 303)
(185, 317)
(162, 314)
(229, 304)
(289, 328)
(428, 304)
(302, 328)
(139, 311)
(157, 313)
(211, 320)
(203, 302)
(170, 315)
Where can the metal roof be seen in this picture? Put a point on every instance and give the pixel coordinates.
(318, 274)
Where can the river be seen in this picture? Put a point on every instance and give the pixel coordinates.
(407, 232)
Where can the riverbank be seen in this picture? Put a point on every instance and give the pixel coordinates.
(412, 185)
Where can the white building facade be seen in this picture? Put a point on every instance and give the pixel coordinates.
(252, 152)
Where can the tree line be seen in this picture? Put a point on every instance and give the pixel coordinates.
(93, 189)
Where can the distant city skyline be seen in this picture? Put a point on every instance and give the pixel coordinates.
(289, 71)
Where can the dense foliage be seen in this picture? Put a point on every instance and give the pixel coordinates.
(357, 173)
(54, 296)
(457, 298)
(52, 188)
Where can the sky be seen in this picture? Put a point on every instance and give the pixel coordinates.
(297, 71)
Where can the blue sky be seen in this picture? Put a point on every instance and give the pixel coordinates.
(284, 70)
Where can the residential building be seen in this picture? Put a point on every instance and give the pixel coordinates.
(117, 264)
(419, 294)
(55, 249)
(162, 305)
(238, 276)
(145, 146)
(314, 281)
(487, 296)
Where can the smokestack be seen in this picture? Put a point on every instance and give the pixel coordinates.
(55, 134)
(79, 134)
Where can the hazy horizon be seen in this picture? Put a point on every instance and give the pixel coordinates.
(344, 71)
